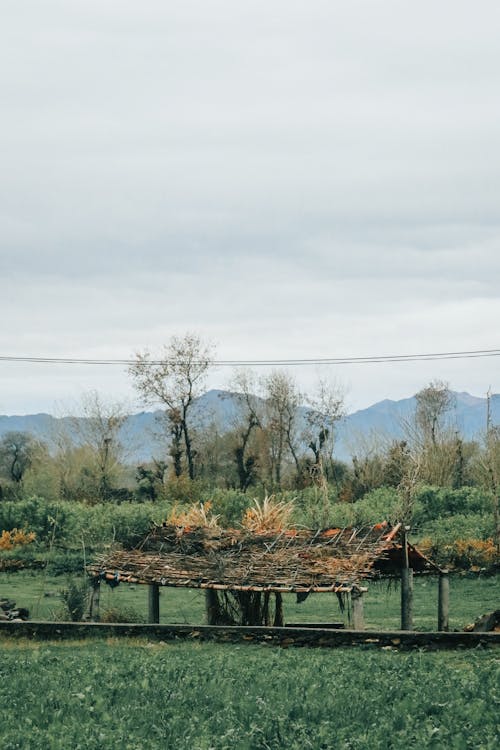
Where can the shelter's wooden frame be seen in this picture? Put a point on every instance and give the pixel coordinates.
(238, 561)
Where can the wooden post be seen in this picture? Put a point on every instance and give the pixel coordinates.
(212, 607)
(444, 601)
(406, 586)
(154, 603)
(278, 612)
(406, 599)
(94, 613)
(358, 618)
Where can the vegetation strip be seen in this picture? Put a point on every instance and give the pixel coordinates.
(312, 637)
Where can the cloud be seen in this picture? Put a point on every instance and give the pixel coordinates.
(289, 179)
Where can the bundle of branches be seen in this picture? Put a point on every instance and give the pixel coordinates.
(242, 560)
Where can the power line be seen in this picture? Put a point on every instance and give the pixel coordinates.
(371, 359)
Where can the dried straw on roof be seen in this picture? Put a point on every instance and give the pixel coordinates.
(238, 560)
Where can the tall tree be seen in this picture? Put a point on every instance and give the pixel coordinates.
(433, 403)
(282, 398)
(99, 432)
(17, 451)
(328, 408)
(247, 422)
(488, 473)
(174, 381)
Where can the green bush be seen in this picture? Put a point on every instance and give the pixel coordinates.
(48, 519)
(121, 614)
(439, 502)
(77, 525)
(75, 598)
(230, 505)
(446, 530)
(382, 504)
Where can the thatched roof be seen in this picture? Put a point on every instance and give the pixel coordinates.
(238, 560)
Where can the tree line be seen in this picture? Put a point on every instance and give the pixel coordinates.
(272, 443)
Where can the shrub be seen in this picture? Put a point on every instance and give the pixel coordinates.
(230, 505)
(16, 538)
(121, 614)
(382, 504)
(75, 598)
(47, 519)
(439, 502)
(464, 554)
(447, 530)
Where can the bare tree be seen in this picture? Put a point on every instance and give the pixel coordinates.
(282, 399)
(247, 422)
(328, 408)
(174, 381)
(433, 403)
(488, 473)
(99, 431)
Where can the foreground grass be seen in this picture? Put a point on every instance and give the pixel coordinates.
(135, 695)
(469, 598)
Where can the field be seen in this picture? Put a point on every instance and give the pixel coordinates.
(470, 597)
(135, 695)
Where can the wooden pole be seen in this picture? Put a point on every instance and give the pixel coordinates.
(154, 603)
(406, 599)
(212, 607)
(278, 612)
(94, 613)
(444, 602)
(406, 586)
(358, 618)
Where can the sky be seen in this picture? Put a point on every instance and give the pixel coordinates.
(287, 179)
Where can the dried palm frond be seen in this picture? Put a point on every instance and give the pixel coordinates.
(269, 515)
(195, 516)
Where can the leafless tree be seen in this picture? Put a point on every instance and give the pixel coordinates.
(282, 398)
(249, 419)
(327, 409)
(433, 403)
(98, 430)
(174, 381)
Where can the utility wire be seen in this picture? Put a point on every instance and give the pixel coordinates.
(375, 359)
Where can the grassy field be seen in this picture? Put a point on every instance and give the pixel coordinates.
(136, 695)
(469, 598)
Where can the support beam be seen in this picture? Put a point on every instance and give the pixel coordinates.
(444, 602)
(154, 603)
(94, 613)
(358, 616)
(406, 599)
(212, 608)
(278, 612)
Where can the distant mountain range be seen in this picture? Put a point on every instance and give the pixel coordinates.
(385, 420)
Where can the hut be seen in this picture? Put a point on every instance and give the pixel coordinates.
(245, 574)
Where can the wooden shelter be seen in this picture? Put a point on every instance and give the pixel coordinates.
(240, 570)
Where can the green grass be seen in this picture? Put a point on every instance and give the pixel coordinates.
(136, 695)
(470, 597)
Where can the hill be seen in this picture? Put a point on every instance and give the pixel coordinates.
(218, 410)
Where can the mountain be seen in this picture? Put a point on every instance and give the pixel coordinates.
(218, 410)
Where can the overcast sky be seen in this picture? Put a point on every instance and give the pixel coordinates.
(288, 179)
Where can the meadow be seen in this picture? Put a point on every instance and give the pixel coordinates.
(132, 695)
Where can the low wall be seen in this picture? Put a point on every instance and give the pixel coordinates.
(284, 637)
